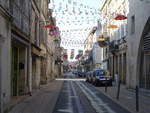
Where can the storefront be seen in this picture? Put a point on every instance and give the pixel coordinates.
(19, 63)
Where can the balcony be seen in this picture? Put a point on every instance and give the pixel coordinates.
(113, 47)
(102, 41)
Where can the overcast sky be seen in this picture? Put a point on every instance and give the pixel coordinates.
(75, 18)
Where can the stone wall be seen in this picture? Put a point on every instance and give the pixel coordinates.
(140, 9)
(5, 58)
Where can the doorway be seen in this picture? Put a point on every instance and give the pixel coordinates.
(15, 71)
(145, 77)
(18, 71)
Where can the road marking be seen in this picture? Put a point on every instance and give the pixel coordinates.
(68, 108)
(65, 110)
(96, 102)
(73, 96)
(79, 106)
(129, 97)
(68, 79)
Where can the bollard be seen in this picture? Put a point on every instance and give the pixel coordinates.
(106, 87)
(118, 90)
(137, 98)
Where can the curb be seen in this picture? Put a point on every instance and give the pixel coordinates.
(117, 102)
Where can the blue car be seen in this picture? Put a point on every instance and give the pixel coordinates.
(100, 78)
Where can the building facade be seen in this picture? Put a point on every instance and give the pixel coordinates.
(5, 52)
(115, 30)
(44, 19)
(138, 44)
(26, 59)
(35, 43)
(50, 52)
(20, 48)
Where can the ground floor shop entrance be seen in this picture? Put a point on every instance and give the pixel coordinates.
(18, 69)
(117, 65)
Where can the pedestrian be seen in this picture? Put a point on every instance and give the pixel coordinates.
(107, 73)
(116, 79)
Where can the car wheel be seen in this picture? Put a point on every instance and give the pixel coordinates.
(95, 83)
(110, 84)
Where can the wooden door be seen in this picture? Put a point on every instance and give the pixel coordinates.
(15, 71)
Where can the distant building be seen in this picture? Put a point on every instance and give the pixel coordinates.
(97, 56)
(89, 42)
(88, 45)
(97, 50)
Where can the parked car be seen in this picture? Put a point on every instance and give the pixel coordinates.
(83, 74)
(80, 73)
(100, 78)
(87, 75)
(75, 72)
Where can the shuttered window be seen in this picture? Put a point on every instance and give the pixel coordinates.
(146, 43)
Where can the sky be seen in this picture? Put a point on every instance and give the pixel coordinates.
(75, 19)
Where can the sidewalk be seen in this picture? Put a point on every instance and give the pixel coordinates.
(41, 101)
(127, 98)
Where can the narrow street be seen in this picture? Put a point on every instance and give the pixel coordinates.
(80, 97)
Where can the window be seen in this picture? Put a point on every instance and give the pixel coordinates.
(132, 24)
(125, 28)
(122, 30)
(119, 33)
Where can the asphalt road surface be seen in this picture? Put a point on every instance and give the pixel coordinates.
(77, 96)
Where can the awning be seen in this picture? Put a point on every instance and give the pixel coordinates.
(120, 17)
(112, 27)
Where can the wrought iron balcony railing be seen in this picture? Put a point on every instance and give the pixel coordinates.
(113, 47)
(103, 41)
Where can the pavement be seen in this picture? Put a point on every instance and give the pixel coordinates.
(41, 101)
(127, 98)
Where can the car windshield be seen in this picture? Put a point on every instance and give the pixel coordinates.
(99, 73)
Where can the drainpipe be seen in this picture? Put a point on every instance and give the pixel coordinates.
(29, 70)
(1, 99)
(1, 95)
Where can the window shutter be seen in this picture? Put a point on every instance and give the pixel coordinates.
(146, 43)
